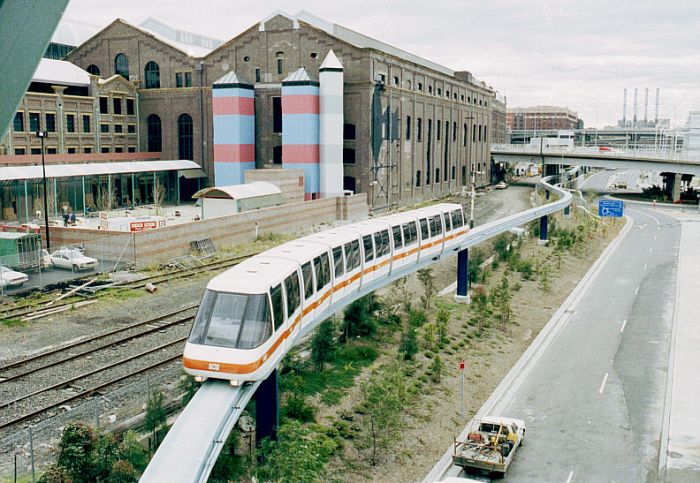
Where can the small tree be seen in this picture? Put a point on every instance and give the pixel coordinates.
(122, 472)
(155, 415)
(76, 452)
(545, 279)
(442, 319)
(299, 455)
(358, 318)
(323, 344)
(132, 451)
(409, 343)
(425, 275)
(295, 404)
(416, 318)
(189, 386)
(501, 298)
(55, 474)
(436, 369)
(480, 309)
(476, 258)
(428, 336)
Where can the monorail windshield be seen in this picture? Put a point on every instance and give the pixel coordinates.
(239, 321)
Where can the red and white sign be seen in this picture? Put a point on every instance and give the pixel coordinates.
(461, 365)
(146, 225)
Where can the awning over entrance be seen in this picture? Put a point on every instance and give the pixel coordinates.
(16, 173)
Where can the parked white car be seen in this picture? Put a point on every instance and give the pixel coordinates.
(10, 278)
(73, 259)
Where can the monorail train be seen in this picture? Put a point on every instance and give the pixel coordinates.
(251, 314)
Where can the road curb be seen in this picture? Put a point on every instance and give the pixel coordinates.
(517, 373)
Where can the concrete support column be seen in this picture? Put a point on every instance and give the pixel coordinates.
(462, 295)
(567, 211)
(543, 230)
(546, 194)
(676, 190)
(267, 409)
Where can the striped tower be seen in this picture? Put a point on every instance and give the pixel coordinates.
(331, 123)
(300, 129)
(233, 108)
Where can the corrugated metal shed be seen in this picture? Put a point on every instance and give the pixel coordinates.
(239, 191)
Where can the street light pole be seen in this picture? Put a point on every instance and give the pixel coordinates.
(42, 135)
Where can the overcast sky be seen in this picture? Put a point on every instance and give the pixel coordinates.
(575, 53)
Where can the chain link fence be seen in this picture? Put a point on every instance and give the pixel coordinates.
(26, 452)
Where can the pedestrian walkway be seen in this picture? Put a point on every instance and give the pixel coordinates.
(683, 454)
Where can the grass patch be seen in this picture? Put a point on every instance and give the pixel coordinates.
(13, 323)
(332, 397)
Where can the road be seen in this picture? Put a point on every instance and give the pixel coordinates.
(594, 400)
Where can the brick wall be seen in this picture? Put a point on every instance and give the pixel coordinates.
(289, 181)
(158, 246)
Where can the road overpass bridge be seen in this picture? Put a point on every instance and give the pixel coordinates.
(649, 160)
(192, 445)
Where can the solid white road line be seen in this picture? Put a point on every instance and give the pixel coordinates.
(624, 322)
(571, 477)
(602, 386)
(636, 291)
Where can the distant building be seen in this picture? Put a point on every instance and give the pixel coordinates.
(542, 118)
(500, 131)
(82, 113)
(691, 134)
(413, 129)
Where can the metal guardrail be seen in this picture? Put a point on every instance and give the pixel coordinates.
(193, 444)
(592, 151)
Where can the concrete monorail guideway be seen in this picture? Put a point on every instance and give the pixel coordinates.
(192, 445)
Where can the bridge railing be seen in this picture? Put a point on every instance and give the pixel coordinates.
(598, 151)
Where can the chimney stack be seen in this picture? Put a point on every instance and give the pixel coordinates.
(634, 119)
(646, 104)
(624, 109)
(656, 114)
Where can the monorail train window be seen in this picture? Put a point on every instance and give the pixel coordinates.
(457, 219)
(277, 306)
(308, 280)
(323, 271)
(424, 229)
(398, 242)
(338, 262)
(448, 225)
(291, 285)
(433, 227)
(438, 224)
(409, 233)
(352, 254)
(386, 244)
(369, 250)
(232, 320)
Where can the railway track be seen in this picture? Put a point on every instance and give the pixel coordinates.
(22, 311)
(61, 370)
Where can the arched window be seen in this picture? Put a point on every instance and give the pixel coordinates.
(121, 66)
(155, 139)
(93, 69)
(184, 136)
(152, 75)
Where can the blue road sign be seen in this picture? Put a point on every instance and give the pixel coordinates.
(612, 208)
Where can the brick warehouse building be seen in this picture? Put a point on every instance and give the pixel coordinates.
(412, 128)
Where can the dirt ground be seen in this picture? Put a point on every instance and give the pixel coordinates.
(435, 418)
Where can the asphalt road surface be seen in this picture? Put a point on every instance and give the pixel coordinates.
(594, 401)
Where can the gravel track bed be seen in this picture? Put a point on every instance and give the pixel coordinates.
(114, 341)
(49, 397)
(51, 375)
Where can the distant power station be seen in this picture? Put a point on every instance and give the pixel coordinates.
(636, 122)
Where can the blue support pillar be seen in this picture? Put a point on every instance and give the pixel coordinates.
(567, 211)
(267, 409)
(546, 194)
(543, 230)
(463, 276)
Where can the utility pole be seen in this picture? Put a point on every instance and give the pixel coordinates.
(43, 135)
(471, 169)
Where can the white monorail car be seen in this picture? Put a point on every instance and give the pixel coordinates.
(252, 314)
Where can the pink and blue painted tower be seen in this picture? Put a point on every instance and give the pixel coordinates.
(300, 129)
(233, 107)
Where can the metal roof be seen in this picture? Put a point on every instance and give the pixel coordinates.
(232, 77)
(239, 191)
(60, 72)
(299, 75)
(14, 173)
